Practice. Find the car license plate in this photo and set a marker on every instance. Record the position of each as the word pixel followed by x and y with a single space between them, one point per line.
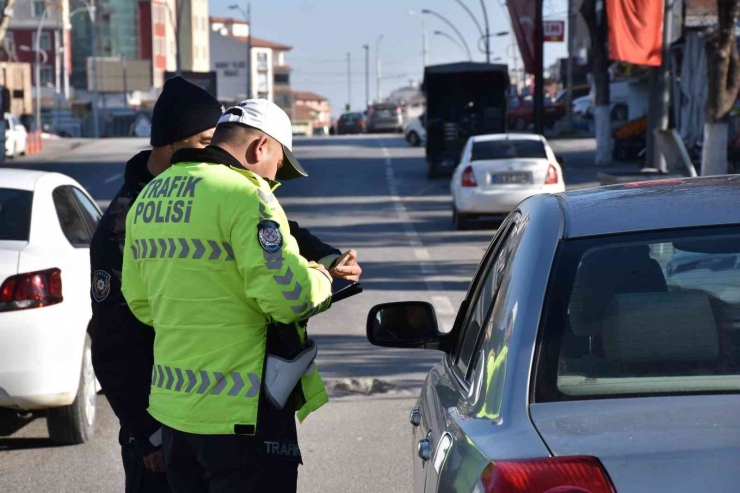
pixel 511 178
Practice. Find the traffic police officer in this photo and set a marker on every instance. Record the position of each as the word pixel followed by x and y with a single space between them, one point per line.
pixel 210 263
pixel 184 116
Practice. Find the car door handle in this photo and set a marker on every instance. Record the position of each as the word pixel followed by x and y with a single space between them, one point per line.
pixel 415 417
pixel 424 449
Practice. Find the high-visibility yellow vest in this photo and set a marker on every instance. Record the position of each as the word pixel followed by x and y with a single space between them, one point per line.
pixel 210 264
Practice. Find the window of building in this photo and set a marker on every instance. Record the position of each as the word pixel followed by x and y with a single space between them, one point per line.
pixel 282 79
pixel 46 74
pixel 45 41
pixel 262 83
pixel 37 8
pixel 262 61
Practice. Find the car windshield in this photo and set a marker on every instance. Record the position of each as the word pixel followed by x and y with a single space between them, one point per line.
pixel 508 149
pixel 643 315
pixel 15 214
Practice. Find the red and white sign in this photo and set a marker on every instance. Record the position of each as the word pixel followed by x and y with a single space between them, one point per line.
pixel 554 31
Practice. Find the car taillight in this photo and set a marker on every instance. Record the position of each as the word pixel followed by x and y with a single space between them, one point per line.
pixel 361 122
pixel 31 290
pixel 468 178
pixel 552 177
pixel 398 110
pixel 577 474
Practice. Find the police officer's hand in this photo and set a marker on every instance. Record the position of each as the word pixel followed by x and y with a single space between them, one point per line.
pixel 351 270
pixel 322 269
pixel 155 461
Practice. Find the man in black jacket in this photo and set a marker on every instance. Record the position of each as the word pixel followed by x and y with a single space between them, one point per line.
pixel 183 117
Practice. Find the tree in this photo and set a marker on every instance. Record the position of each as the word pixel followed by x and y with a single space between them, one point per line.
pixel 723 82
pixel 599 56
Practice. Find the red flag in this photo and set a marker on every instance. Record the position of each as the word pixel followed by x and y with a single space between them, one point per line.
pixel 522 20
pixel 635 31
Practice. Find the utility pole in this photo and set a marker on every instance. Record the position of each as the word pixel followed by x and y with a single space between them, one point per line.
pixel 488 33
pixel 93 46
pixel 349 81
pixel 367 74
pixel 37 71
pixel 539 93
pixel 378 68
pixel 125 82
pixel 569 70
pixel 424 42
pixel 660 93
pixel 249 50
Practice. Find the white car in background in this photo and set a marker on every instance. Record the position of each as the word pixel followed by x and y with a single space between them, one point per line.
pixel 46 224
pixel 498 171
pixel 16 137
pixel 416 133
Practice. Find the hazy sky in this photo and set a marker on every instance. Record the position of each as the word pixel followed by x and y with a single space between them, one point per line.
pixel 322 32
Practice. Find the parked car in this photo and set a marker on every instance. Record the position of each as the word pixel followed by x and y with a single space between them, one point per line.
pixel 520 114
pixel 351 123
pixel 46 224
pixel 416 132
pixel 575 363
pixel 16 137
pixel 498 171
pixel 583 106
pixel 384 117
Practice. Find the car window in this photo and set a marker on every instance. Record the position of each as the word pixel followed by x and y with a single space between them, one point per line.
pixel 15 214
pixel 514 103
pixel 484 298
pixel 70 219
pixel 508 149
pixel 487 370
pixel 89 210
pixel 644 315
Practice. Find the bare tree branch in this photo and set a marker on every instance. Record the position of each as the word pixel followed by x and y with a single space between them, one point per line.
pixel 723 70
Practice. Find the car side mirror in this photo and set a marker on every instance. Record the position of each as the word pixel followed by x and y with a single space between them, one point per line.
pixel 408 324
pixel 560 159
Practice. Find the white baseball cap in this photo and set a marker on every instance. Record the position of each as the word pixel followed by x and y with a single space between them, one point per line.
pixel 268 117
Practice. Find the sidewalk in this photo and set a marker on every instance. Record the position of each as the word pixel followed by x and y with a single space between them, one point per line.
pixel 84 150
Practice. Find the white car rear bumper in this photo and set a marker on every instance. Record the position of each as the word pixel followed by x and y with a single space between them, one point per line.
pixel 40 357
pixel 475 200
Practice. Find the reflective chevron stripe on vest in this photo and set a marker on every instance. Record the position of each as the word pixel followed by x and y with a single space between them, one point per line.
pixel 165 377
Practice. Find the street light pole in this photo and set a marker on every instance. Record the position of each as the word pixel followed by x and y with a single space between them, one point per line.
pixel 247 14
pixel 488 34
pixel 349 81
pixel 377 68
pixel 445 35
pixel 90 8
pixel 367 74
pixel 37 72
pixel 424 43
pixel 457 31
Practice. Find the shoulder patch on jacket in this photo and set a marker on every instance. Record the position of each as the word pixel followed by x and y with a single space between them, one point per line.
pixel 100 285
pixel 269 236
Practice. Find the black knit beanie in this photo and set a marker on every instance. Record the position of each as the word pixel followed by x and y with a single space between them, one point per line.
pixel 183 109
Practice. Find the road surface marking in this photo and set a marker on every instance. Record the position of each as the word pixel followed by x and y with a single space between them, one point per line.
pixel 441 301
pixel 113 178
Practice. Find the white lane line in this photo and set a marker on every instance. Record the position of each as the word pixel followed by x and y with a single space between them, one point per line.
pixel 113 178
pixel 440 300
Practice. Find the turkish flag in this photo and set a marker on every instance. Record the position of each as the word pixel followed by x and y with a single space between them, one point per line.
pixel 635 31
pixel 522 20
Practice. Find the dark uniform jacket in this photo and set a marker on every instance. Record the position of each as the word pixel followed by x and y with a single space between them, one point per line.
pixel 122 347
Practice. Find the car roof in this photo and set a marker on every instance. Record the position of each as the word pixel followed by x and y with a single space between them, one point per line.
pixel 509 136
pixel 652 205
pixel 20 179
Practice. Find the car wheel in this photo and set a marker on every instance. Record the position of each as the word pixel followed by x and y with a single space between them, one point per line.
pixel 521 124
pixel 459 220
pixel 75 424
pixel 413 139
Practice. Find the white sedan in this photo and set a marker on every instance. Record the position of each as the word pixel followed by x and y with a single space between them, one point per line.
pixel 416 133
pixel 498 171
pixel 46 224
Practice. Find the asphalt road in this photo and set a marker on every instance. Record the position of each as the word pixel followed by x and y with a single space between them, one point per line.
pixel 365 192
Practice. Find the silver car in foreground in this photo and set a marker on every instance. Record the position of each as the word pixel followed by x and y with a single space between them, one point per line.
pixel 582 358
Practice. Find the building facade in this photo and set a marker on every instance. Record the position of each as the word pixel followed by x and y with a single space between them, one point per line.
pixel 20 45
pixel 270 76
pixel 309 103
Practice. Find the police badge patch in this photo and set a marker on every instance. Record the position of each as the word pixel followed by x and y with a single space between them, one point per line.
pixel 268 234
pixel 100 285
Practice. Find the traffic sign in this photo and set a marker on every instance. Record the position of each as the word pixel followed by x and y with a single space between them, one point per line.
pixel 554 31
